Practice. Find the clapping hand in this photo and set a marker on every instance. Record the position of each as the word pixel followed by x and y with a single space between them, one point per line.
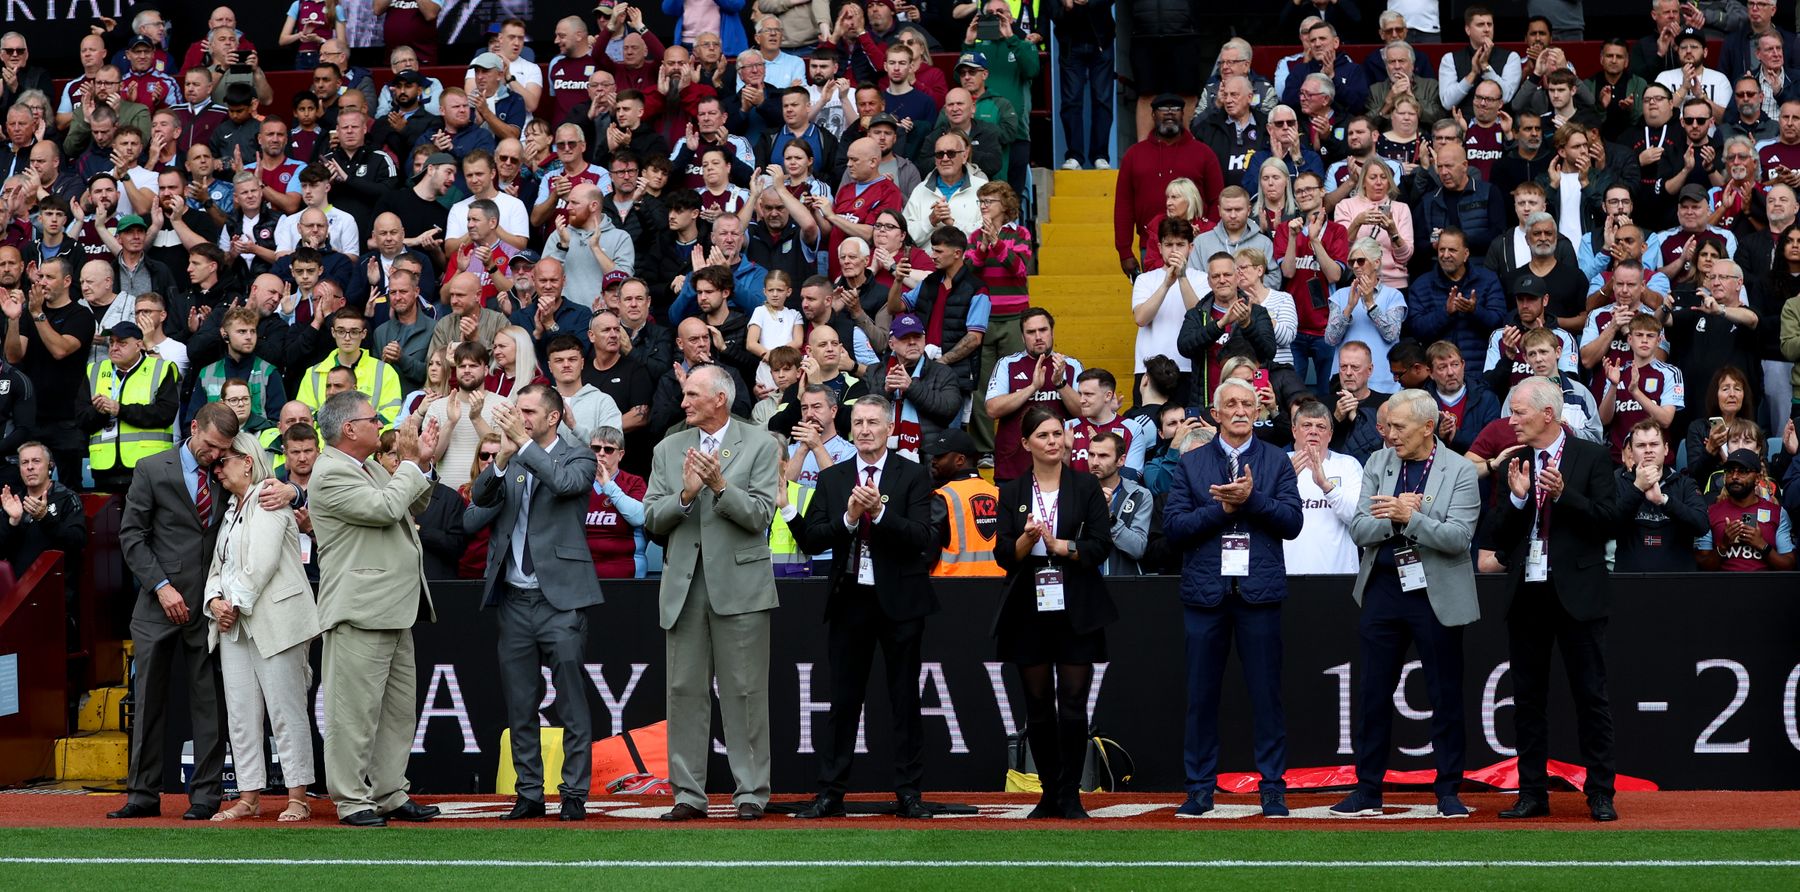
pixel 1231 496
pixel 13 506
pixel 1518 477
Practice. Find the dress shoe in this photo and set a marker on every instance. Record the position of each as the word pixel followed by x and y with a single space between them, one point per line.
pixel 419 814
pixel 136 810
pixel 825 805
pixel 1196 805
pixel 1047 808
pixel 1451 806
pixel 1070 807
pixel 1528 807
pixel 1359 804
pixel 1600 806
pixel 574 808
pixel 749 811
pixel 682 812
pixel 909 806
pixel 1274 804
pixel 524 808
pixel 364 818
pixel 198 812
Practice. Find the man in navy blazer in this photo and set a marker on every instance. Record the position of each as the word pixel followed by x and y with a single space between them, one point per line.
pixel 879 505
pixel 1231 504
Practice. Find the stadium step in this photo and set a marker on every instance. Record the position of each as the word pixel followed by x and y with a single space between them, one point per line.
pixel 1079 280
pixel 100 710
pixel 102 755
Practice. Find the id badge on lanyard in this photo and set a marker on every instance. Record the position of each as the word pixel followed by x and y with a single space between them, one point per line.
pixel 865 565
pixel 1412 570
pixel 1049 584
pixel 1537 569
pixel 1234 559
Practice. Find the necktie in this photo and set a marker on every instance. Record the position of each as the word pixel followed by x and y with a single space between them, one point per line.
pixel 862 527
pixel 525 562
pixel 709 444
pixel 202 497
pixel 1234 465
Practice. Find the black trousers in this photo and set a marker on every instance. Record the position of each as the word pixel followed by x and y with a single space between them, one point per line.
pixel 1537 623
pixel 1391 620
pixel 852 638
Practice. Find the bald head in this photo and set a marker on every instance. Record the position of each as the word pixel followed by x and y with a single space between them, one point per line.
pixel 864 160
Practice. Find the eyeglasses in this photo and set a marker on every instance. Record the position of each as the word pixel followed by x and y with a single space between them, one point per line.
pixel 12 50
pixel 947 153
pixel 1284 123
pixel 347 332
pixel 1747 94
pixel 1480 98
pixel 508 159
pixel 984 202
pixel 359 420
pixel 605 450
pixel 1696 121
pixel 567 144
pixel 885 227
pixel 236 401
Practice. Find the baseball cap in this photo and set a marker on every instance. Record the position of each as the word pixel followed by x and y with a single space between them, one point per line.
pixel 972 60
pixel 488 60
pixel 1530 286
pixel 1166 100
pixel 1693 192
pixel 948 442
pixel 412 76
pixel 1690 34
pixel 1743 458
pixel 906 324
pixel 131 220
pixel 130 330
pixel 526 256
pixel 140 40
pixel 616 277
pixel 437 158
pixel 884 118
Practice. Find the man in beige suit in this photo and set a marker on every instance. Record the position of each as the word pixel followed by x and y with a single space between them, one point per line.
pixel 712 493
pixel 371 592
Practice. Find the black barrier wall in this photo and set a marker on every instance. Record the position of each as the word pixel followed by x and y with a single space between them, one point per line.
pixel 1704 671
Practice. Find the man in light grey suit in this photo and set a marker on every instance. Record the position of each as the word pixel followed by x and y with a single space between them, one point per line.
pixel 712 493
pixel 1414 522
pixel 371 592
pixel 540 575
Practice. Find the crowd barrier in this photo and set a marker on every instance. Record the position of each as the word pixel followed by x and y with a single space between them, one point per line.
pixel 1703 676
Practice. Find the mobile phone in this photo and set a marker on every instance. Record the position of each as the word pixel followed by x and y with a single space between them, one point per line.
pixel 987 27
pixel 1261 380
pixel 1749 518
pixel 1715 421
pixel 1193 412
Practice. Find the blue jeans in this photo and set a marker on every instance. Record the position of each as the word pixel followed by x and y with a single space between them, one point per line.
pixel 1086 73
pixel 1312 350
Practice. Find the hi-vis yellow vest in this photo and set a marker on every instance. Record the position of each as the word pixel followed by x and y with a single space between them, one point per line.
pixel 784 549
pixel 376 379
pixel 131 443
pixel 974 507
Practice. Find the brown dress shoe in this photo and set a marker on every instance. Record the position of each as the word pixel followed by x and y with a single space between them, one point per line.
pixel 683 812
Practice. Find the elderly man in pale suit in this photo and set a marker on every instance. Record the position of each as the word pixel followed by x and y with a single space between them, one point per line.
pixel 712 493
pixel 1414 522
pixel 540 574
pixel 371 592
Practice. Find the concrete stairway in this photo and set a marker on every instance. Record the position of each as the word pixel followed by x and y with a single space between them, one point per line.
pixel 1078 278
pixel 98 753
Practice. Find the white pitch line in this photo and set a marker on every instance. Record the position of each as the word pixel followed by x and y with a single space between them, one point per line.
pixel 891 864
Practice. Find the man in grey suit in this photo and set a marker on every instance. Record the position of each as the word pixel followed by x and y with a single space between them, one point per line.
pixel 371 592
pixel 712 494
pixel 540 575
pixel 171 520
pixel 1414 522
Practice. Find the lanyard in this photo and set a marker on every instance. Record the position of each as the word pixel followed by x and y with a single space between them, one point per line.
pixel 1424 475
pixel 1662 136
pixel 1046 513
pixel 1542 520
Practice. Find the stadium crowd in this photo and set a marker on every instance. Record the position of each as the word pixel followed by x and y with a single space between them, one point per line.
pixel 808 210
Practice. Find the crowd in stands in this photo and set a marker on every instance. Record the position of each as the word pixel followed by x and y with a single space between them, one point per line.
pixel 805 200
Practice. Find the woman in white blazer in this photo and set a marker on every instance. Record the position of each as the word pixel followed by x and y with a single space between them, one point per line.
pixel 263 619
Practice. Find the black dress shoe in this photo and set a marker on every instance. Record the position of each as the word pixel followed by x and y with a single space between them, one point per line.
pixel 136 810
pixel 574 808
pixel 1048 807
pixel 826 805
pixel 524 808
pixel 682 812
pixel 364 818
pixel 749 811
pixel 1600 806
pixel 1528 807
pixel 419 814
pixel 910 807
pixel 198 812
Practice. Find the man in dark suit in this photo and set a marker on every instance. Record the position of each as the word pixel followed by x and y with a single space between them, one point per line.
pixel 1232 503
pixel 1550 528
pixel 540 574
pixel 171 520
pixel 874 516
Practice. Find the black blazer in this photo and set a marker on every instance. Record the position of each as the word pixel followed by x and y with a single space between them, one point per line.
pixel 1081 516
pixel 1580 524
pixel 902 543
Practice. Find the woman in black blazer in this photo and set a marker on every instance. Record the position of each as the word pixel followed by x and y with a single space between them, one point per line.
pixel 1054 521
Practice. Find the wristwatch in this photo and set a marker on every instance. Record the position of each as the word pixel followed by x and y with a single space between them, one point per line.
pixel 40 317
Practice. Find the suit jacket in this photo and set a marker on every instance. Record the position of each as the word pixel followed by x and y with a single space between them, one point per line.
pixel 1440 530
pixel 729 531
pixel 371 566
pixel 163 537
pixel 1193 522
pixel 1581 522
pixel 900 542
pixel 935 392
pixel 1082 518
pixel 282 613
pixel 563 477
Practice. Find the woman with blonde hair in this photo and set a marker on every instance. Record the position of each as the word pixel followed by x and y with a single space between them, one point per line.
pixel 262 620
pixel 514 362
pixel 1373 213
pixel 1181 201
